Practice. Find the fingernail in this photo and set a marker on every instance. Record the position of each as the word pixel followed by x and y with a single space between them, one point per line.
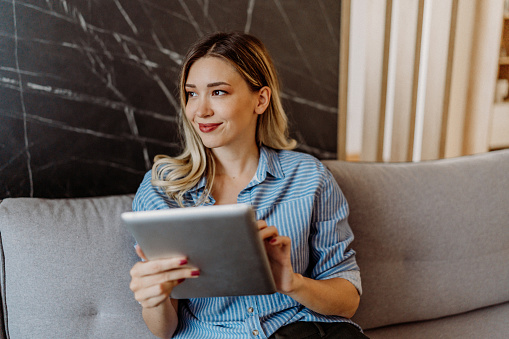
pixel 183 261
pixel 195 273
pixel 180 280
pixel 273 240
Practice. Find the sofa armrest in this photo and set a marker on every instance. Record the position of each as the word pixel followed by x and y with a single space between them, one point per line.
pixel 432 238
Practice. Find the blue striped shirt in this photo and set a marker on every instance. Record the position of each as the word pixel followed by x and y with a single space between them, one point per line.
pixel 297 194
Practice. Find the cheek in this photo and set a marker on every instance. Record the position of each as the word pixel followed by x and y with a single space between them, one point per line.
pixel 189 125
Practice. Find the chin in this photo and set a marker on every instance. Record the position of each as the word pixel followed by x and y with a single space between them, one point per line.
pixel 211 144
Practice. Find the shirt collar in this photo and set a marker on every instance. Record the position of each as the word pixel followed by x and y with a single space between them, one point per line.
pixel 201 184
pixel 268 163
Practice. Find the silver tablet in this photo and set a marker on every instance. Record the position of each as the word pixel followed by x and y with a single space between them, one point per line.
pixel 222 241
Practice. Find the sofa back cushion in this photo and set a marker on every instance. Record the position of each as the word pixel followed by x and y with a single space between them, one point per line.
pixel 432 238
pixel 65 269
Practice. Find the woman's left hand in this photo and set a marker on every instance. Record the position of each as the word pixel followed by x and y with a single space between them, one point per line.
pixel 335 296
pixel 278 250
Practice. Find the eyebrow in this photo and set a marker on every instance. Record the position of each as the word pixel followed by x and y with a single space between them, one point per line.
pixel 212 84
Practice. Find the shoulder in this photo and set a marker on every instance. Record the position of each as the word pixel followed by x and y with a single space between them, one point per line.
pixel 306 171
pixel 301 164
pixel 150 197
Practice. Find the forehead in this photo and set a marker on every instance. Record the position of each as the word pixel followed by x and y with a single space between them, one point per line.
pixel 212 69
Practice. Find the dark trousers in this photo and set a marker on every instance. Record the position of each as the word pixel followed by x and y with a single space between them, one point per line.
pixel 316 330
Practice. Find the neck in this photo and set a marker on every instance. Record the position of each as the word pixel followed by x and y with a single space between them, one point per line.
pixel 236 163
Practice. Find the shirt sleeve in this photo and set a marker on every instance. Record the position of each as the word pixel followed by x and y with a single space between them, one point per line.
pixel 331 235
pixel 139 202
pixel 149 198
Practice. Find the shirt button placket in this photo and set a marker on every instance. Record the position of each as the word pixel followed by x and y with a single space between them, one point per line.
pixel 253 321
pixel 242 197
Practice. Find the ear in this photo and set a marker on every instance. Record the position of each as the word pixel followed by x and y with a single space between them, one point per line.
pixel 263 99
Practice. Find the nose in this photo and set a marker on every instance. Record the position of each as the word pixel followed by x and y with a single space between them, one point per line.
pixel 203 108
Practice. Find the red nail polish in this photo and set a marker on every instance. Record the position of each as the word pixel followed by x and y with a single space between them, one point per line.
pixel 195 273
pixel 183 261
pixel 273 240
pixel 180 280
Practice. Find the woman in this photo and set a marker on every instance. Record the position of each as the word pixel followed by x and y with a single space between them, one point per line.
pixel 237 150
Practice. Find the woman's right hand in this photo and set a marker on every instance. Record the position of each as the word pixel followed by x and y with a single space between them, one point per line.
pixel 153 280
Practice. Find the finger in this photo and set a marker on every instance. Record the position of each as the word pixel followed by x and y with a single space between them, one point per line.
pixel 140 252
pixel 147 282
pixel 157 266
pixel 154 295
pixel 153 302
pixel 280 241
pixel 261 224
pixel 163 289
pixel 268 232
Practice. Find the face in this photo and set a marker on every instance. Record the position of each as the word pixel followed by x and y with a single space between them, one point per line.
pixel 220 105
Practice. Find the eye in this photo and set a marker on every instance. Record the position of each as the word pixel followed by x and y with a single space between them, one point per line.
pixel 190 94
pixel 218 92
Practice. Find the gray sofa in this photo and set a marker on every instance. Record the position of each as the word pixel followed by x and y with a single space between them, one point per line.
pixel 432 241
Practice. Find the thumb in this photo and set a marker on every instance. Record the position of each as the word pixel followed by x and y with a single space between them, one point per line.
pixel 140 252
pixel 261 224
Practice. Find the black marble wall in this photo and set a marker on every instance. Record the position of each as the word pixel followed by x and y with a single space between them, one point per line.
pixel 88 89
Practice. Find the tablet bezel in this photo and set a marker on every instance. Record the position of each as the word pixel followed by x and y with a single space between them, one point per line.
pixel 221 240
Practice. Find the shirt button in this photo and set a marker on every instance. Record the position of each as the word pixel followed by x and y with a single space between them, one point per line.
pixel 255 332
pixel 250 310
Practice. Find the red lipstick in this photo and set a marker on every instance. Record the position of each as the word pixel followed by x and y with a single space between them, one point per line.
pixel 207 128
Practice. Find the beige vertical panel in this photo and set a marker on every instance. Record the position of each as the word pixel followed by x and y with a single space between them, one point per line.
pixel 448 78
pixel 499 136
pixel 406 36
pixel 461 65
pixel 436 77
pixel 484 68
pixel 415 81
pixel 374 55
pixel 384 83
pixel 356 76
pixel 343 78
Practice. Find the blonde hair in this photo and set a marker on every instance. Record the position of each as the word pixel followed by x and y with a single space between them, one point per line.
pixel 177 175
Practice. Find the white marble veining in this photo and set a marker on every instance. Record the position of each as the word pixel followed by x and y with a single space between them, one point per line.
pixel 22 102
pixel 67 60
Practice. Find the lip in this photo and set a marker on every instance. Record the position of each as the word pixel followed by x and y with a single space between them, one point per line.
pixel 207 128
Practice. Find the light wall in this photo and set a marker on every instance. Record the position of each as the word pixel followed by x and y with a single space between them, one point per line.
pixel 421 78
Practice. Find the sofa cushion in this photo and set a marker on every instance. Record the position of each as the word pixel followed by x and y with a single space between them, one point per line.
pixel 490 322
pixel 432 238
pixel 66 269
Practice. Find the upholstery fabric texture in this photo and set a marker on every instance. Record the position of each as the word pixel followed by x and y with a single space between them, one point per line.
pixel 432 238
pixel 66 269
pixel 490 322
pixel 432 243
